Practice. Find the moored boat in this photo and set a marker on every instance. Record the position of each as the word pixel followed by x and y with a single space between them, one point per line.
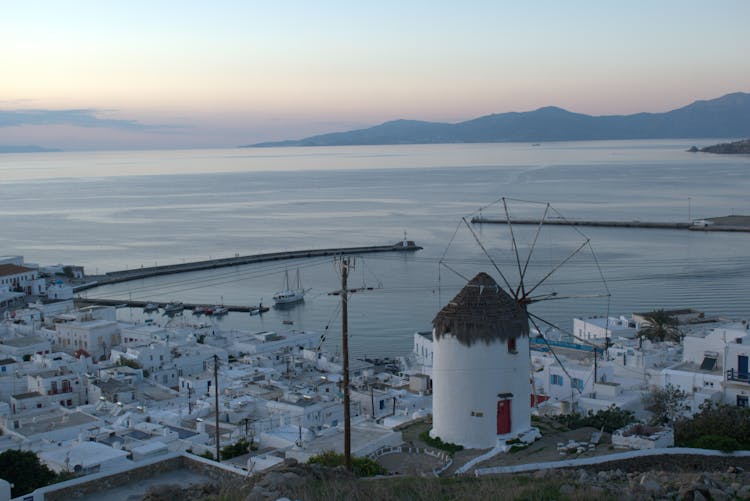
pixel 175 307
pixel 289 295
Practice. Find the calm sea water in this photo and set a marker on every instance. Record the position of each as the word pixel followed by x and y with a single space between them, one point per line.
pixel 115 210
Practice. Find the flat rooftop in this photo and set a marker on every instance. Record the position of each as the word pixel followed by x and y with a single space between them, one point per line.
pixel 20 342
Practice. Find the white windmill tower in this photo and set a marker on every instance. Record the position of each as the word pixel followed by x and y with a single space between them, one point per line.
pixel 482 389
pixel 481 385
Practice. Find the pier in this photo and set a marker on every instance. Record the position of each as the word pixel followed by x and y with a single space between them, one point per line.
pixel 702 225
pixel 79 301
pixel 113 277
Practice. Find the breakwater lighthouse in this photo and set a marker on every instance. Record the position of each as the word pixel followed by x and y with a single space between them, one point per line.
pixel 481 367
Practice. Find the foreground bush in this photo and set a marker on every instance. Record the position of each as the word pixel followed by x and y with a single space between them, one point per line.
pixel 439 444
pixel 361 467
pixel 610 419
pixel 24 470
pixel 715 426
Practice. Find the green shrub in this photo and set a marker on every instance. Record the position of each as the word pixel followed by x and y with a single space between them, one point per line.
pixel 720 420
pixel 716 442
pixel 611 419
pixel 24 470
pixel 237 449
pixel 439 444
pixel 361 467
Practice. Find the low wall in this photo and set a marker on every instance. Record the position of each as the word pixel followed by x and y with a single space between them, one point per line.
pixel 91 484
pixel 671 459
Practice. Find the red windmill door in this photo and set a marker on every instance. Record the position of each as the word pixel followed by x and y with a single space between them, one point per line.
pixel 503 417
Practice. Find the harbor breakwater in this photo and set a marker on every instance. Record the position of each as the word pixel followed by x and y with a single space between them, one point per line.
pixel 113 277
pixel 697 225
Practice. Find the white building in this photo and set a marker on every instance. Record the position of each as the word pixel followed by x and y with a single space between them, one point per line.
pixel 22 279
pixel 422 352
pixel 24 347
pixel 596 329
pixel 481 371
pixel 84 458
pixel 95 336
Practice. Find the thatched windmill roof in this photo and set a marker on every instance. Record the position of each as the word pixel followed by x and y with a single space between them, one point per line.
pixel 482 311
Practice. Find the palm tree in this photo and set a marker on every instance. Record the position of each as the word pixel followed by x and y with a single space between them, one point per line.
pixel 658 325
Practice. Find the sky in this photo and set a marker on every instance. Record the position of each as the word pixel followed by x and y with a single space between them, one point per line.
pixel 136 74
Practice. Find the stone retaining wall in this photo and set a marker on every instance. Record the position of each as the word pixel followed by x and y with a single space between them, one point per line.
pixel 104 481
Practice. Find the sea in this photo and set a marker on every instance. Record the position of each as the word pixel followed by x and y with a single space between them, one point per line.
pixel 117 210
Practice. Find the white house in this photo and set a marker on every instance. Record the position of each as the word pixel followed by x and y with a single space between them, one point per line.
pixel 96 337
pixel 423 351
pixel 22 279
pixel 737 352
pixel 596 329
pixel 24 347
pixel 84 458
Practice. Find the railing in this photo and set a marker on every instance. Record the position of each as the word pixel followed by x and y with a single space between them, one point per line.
pixel 733 375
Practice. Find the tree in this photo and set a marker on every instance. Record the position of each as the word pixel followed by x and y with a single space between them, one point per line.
pixel 665 404
pixel 714 426
pixel 658 325
pixel 24 470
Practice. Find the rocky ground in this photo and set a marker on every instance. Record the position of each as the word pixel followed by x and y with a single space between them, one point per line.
pixel 312 482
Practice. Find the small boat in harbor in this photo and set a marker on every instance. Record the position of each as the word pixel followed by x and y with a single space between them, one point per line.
pixel 199 310
pixel 259 310
pixel 220 310
pixel 289 295
pixel 287 322
pixel 150 307
pixel 174 308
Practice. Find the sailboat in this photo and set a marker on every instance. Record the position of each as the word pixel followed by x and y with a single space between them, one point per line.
pixel 289 295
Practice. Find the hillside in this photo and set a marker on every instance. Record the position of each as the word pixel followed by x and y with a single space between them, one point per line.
pixel 727 116
pixel 735 148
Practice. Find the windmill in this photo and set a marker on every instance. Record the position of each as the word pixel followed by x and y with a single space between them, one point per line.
pixel 534 281
pixel 481 365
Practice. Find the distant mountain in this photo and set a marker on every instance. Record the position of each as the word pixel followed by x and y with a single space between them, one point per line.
pixel 25 149
pixel 727 116
pixel 736 148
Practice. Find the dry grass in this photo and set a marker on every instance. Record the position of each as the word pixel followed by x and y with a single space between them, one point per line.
pixel 433 489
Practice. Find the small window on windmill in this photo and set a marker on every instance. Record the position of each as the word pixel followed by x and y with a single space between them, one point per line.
pixel 512 345
pixel 709 361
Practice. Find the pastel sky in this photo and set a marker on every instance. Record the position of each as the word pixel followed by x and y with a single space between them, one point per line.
pixel 194 73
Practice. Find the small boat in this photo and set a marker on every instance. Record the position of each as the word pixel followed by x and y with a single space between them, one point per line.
pixel 199 310
pixel 289 295
pixel 259 310
pixel 173 308
pixel 150 307
pixel 220 310
pixel 287 322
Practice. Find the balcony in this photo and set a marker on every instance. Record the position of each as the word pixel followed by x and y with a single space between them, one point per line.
pixel 742 377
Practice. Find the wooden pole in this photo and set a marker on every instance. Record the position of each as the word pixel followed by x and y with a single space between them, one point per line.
pixel 216 405
pixel 345 350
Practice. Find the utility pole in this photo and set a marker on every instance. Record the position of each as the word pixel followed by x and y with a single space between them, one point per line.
pixel 345 263
pixel 190 403
pixel 596 380
pixel 216 405
pixel 372 402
